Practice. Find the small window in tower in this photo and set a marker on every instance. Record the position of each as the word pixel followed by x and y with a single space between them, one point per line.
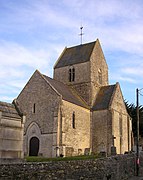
pixel 34 107
pixel 100 76
pixel 73 74
pixel 73 120
pixel 70 75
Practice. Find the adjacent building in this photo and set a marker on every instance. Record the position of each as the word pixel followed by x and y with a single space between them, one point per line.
pixel 11 132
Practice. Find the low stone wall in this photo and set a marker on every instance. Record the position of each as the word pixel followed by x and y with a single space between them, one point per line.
pixel 11 160
pixel 113 168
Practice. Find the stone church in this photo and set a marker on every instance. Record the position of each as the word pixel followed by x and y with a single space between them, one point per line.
pixel 76 112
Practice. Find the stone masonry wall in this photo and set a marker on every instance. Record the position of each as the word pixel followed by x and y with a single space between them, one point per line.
pixel 82 73
pixel 82 79
pixel 101 131
pixel 86 81
pixel 97 64
pixel 46 101
pixel 77 138
pixel 113 168
pixel 121 123
pixel 40 103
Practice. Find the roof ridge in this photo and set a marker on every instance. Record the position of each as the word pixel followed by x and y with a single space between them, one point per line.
pixel 54 79
pixel 9 110
pixel 17 107
pixel 81 45
pixel 72 91
pixel 108 85
pixel 59 57
pixel 42 75
pixel 78 96
pixel 6 103
pixel 116 86
pixel 36 71
pixel 113 94
pixel 103 98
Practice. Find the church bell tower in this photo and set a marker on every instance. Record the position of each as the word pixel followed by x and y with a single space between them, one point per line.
pixel 84 69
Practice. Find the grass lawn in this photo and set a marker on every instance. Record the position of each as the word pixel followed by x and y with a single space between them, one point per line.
pixel 43 159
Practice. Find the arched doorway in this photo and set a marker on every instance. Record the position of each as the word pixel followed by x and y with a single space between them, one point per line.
pixel 34 146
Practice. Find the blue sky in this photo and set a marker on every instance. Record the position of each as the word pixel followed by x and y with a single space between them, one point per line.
pixel 33 34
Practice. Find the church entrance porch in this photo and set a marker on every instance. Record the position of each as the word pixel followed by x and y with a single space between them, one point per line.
pixel 34 146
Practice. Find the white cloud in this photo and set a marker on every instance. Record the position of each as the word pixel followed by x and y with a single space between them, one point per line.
pixel 6 98
pixel 35 14
pixel 134 71
pixel 17 63
pixel 33 34
pixel 117 77
pixel 15 55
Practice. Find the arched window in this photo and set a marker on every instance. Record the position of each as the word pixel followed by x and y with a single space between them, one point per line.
pixel 73 120
pixel 71 74
pixel 120 123
pixel 100 76
pixel 34 108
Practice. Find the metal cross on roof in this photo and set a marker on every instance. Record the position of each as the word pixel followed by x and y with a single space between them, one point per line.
pixel 81 34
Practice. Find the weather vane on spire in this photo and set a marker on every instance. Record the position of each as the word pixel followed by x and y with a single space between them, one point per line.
pixel 81 33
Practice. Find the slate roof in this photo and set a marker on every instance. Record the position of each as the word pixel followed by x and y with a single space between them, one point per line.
pixel 75 55
pixel 104 97
pixel 8 110
pixel 67 93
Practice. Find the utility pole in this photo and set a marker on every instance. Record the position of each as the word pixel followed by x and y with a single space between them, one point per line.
pixel 137 142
